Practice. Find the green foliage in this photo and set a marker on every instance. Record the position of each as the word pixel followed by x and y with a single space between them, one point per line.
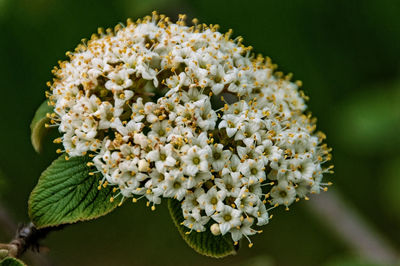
pixel 11 262
pixel 38 129
pixel 67 193
pixel 204 243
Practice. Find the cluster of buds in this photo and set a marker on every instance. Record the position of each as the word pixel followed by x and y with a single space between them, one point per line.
pixel 167 110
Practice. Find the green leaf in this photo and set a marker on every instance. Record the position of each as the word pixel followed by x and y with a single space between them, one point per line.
pixel 38 129
pixel 66 193
pixel 11 262
pixel 205 242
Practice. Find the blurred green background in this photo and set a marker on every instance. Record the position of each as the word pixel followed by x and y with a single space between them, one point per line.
pixel 347 53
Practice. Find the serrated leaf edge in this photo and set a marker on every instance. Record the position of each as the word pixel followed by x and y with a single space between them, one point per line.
pixel 34 192
pixel 184 236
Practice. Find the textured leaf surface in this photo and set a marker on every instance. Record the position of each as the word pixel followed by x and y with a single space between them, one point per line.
pixel 38 129
pixel 11 262
pixel 66 193
pixel 205 242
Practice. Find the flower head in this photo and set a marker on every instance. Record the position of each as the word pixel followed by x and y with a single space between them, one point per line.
pixel 172 111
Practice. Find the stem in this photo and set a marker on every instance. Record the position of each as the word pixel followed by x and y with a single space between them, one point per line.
pixel 353 229
pixel 27 237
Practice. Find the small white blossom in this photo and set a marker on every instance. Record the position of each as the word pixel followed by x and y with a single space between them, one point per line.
pixel 227 218
pixel 212 200
pixel 243 230
pixel 283 193
pixel 195 221
pixel 196 160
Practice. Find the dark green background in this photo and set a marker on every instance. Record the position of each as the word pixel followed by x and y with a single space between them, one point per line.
pixel 347 54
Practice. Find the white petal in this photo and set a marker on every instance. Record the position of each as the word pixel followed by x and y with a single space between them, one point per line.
pixel 230 131
pixel 236 235
pixel 191 170
pixel 225 227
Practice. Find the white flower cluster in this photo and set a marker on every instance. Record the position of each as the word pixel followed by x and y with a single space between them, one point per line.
pixel 172 111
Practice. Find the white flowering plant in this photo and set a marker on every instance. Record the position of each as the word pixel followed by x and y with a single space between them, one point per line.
pixel 156 111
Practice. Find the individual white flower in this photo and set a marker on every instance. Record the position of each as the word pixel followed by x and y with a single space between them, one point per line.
pixel 243 230
pixel 198 179
pixel 73 145
pixel 219 157
pixel 119 80
pixel 195 221
pixel 232 168
pixel 229 185
pixel 303 187
pixel 248 133
pixel 195 96
pixel 190 202
pixel 175 186
pixel 302 168
pixel 106 115
pixel 163 157
pixel 205 116
pixel 157 178
pixel 271 152
pixel 231 123
pixel 150 110
pixel 138 113
pixel 237 108
pixel 283 194
pixel 160 131
pixel 212 200
pixel 153 194
pixel 127 129
pixel 195 160
pixel 120 99
pixel 250 152
pixel 253 170
pixel 169 104
pixel 227 218
pixel 201 140
pixel 247 201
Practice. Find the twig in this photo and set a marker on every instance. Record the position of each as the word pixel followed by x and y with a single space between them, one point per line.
pixel 353 229
pixel 27 237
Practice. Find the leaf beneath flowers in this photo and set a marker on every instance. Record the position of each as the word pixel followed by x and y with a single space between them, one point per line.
pixel 38 129
pixel 205 242
pixel 66 193
pixel 11 262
